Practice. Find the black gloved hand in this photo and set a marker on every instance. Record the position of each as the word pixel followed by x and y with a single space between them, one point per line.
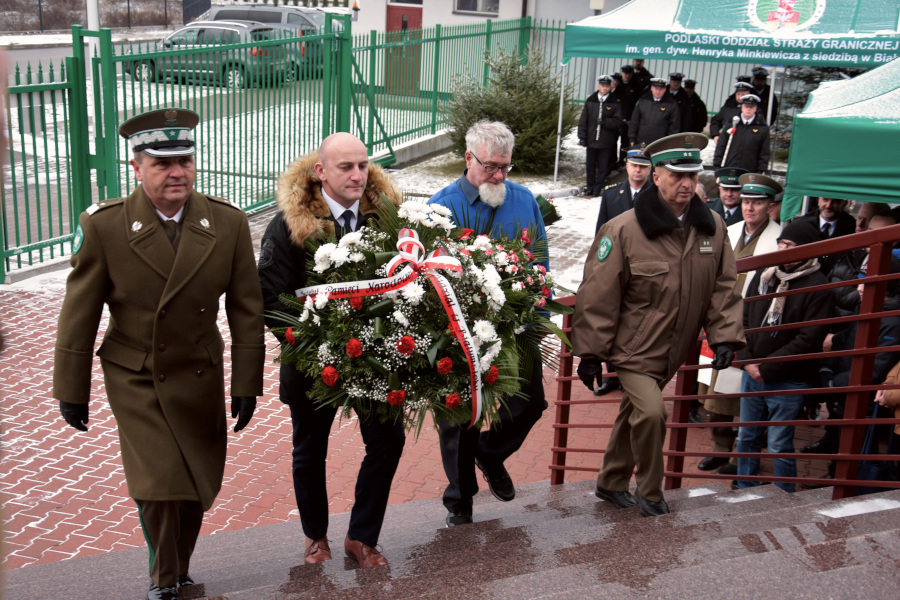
pixel 826 378
pixel 75 415
pixel 588 369
pixel 242 408
pixel 724 356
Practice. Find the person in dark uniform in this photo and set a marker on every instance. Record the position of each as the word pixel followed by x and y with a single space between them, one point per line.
pixel 160 259
pixel 484 197
pixel 655 116
pixel 681 98
pixel 330 192
pixel 641 75
pixel 699 116
pixel 598 130
pixel 616 94
pixel 730 109
pixel 745 145
pixel 763 89
pixel 654 277
pixel 728 204
pixel 630 92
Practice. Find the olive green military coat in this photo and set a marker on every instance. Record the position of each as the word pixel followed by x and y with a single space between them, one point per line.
pixel 162 354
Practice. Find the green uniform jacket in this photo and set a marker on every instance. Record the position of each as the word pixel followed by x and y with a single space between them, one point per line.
pixel 646 293
pixel 162 351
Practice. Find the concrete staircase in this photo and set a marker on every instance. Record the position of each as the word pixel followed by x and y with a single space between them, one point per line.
pixel 550 542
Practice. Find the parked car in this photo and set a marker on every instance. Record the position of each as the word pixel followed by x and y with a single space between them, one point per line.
pixel 234 68
pixel 306 57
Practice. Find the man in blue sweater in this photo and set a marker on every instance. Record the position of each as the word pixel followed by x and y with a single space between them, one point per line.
pixel 483 200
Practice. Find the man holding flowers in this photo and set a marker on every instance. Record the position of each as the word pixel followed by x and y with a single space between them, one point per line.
pixel 482 201
pixel 332 192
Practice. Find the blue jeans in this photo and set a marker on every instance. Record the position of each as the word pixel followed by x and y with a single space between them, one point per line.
pixel 778 407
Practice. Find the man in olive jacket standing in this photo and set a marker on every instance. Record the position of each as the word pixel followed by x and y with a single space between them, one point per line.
pixel 160 259
pixel 654 276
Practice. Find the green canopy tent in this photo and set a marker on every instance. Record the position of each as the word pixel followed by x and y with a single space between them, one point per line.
pixel 837 33
pixel 841 142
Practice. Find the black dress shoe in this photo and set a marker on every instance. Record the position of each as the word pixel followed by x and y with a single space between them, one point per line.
pixel 606 387
pixel 498 480
pixel 728 469
pixel 454 519
pixel 712 462
pixel 695 418
pixel 158 593
pixel 619 499
pixel 824 446
pixel 651 509
pixel 184 581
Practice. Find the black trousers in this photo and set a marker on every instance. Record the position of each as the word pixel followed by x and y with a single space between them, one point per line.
pixel 171 528
pixel 597 166
pixel 384 446
pixel 460 445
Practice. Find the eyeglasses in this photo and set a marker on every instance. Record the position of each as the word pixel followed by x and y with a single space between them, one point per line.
pixel 491 169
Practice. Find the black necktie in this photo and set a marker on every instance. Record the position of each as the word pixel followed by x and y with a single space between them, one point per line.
pixel 826 229
pixel 347 218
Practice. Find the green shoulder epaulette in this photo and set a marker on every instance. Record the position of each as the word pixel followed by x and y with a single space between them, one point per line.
pixel 94 208
pixel 224 201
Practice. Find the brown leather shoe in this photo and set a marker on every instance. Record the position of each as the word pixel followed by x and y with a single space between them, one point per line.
pixel 317 551
pixel 366 556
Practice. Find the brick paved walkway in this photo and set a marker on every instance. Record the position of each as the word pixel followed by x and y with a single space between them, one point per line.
pixel 64 493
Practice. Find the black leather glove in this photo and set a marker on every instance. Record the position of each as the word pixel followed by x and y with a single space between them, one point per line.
pixel 588 369
pixel 724 356
pixel 75 415
pixel 242 408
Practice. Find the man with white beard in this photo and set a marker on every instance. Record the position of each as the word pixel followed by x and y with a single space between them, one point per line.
pixel 485 202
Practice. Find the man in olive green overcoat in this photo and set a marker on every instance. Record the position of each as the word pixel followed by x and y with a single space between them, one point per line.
pixel 160 259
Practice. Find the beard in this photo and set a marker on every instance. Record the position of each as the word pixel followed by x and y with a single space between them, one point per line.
pixel 492 194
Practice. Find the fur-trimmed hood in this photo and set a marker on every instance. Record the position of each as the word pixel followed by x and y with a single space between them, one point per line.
pixel 306 214
pixel 655 219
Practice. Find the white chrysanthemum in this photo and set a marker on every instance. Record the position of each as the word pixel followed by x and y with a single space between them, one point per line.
pixel 440 209
pixel 481 243
pixel 491 275
pixel 351 239
pixel 490 355
pixel 476 298
pixel 401 318
pixel 317 320
pixel 305 316
pixel 519 330
pixel 441 222
pixel 310 303
pixel 391 295
pixel 501 258
pixel 357 257
pixel 340 255
pixel 413 293
pixel 484 330
pixel 413 210
pixel 321 300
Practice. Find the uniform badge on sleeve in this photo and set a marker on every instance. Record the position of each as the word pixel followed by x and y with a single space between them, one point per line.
pixel 78 239
pixel 603 249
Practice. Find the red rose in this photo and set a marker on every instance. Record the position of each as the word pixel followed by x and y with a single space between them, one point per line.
pixel 406 345
pixel 329 375
pixel 396 398
pixel 354 348
pixel 445 365
pixel 525 237
pixel 356 302
pixel 466 233
pixel 545 291
pixel 289 336
pixel 452 400
pixel 491 377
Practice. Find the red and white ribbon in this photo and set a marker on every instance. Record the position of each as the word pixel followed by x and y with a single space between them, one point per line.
pixel 412 257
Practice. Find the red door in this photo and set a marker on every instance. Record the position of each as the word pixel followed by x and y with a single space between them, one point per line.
pixel 404 23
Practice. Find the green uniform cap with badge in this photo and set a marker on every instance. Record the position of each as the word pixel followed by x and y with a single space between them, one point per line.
pixel 759 187
pixel 730 177
pixel 679 153
pixel 162 133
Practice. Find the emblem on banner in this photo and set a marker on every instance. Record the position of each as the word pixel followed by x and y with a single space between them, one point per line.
pixel 785 15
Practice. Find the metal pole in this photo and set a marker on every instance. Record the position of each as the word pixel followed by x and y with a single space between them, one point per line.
pixel 562 86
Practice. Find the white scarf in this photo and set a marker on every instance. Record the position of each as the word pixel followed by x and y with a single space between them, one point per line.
pixel 774 277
